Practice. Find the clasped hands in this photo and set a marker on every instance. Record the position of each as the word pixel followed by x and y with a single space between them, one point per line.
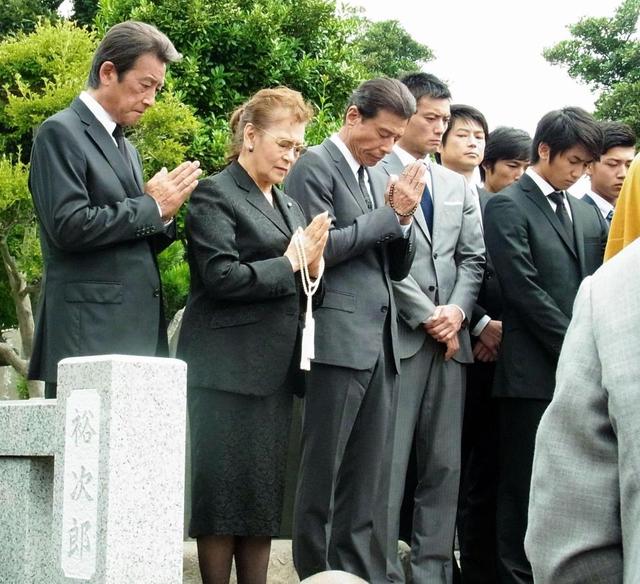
pixel 443 325
pixel 407 191
pixel 314 238
pixel 171 189
pixel 486 348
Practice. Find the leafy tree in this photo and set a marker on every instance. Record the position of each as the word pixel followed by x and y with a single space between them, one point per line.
pixel 604 53
pixel 84 11
pixel 389 50
pixel 23 15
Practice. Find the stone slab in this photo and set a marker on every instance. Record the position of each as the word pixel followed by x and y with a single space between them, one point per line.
pixel 138 427
pixel 29 428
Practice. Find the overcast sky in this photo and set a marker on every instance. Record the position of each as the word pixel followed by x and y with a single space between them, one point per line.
pixel 490 51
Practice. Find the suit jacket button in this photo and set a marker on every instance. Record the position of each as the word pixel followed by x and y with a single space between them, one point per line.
pixel 156 293
pixel 431 288
pixel 384 309
pixel 435 256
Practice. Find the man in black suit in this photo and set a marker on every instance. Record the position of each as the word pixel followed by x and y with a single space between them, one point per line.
pixel 100 225
pixel 542 243
pixel 340 514
pixel 608 173
pixel 506 157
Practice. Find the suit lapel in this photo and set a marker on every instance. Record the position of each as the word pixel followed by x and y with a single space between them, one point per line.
pixel 286 208
pixel 137 168
pixel 346 172
pixel 535 195
pixel 378 184
pixel 578 232
pixel 256 198
pixel 99 135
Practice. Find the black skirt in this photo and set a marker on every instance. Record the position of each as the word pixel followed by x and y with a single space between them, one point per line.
pixel 238 460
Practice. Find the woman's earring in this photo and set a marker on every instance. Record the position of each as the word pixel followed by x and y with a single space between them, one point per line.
pixel 250 148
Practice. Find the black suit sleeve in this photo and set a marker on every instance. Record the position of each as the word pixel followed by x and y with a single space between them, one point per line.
pixel 311 183
pixel 506 233
pixel 401 254
pixel 211 232
pixel 477 314
pixel 73 220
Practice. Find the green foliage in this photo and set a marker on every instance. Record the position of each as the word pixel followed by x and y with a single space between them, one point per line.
pixel 389 50
pixel 7 312
pixel 40 73
pixel 22 388
pixel 232 48
pixel 175 278
pixel 84 11
pixel 604 53
pixel 166 134
pixel 17 219
pixel 23 15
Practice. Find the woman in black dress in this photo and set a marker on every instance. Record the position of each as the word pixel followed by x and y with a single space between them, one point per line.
pixel 240 335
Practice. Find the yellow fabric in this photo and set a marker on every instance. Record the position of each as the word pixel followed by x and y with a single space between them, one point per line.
pixel 625 226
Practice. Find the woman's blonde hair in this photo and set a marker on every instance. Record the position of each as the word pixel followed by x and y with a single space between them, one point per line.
pixel 263 109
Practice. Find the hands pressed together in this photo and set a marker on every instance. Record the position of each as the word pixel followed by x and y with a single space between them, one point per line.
pixel 443 325
pixel 314 238
pixel 403 193
pixel 171 189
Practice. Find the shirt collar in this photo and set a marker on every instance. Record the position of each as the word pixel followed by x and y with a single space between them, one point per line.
pixel 542 184
pixel 407 158
pixel 602 203
pixel 98 111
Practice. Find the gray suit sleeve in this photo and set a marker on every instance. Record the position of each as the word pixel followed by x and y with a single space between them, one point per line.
pixel 574 508
pixel 72 220
pixel 311 183
pixel 469 257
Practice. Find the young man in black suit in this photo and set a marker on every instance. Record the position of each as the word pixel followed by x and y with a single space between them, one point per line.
pixel 542 243
pixel 608 173
pixel 506 156
pixel 100 225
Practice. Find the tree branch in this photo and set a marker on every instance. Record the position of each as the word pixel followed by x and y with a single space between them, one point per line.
pixel 9 355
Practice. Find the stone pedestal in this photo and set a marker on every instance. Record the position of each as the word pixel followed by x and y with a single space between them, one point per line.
pixel 27 445
pixel 118 493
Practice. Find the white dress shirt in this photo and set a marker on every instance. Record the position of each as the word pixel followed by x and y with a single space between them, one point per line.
pixel 547 189
pixel 605 206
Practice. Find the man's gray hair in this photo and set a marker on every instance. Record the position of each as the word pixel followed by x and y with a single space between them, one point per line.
pixel 124 43
pixel 383 94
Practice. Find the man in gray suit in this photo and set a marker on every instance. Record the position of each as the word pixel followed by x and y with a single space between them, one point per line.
pixel 434 302
pixel 585 488
pixel 351 390
pixel 100 226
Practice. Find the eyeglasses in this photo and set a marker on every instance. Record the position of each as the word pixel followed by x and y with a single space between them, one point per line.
pixel 286 144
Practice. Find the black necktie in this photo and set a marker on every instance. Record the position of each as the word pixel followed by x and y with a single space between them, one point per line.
pixel 363 188
pixel 609 216
pixel 561 212
pixel 118 134
pixel 427 207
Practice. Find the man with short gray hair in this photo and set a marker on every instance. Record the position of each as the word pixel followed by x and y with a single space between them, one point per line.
pixel 351 391
pixel 100 224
